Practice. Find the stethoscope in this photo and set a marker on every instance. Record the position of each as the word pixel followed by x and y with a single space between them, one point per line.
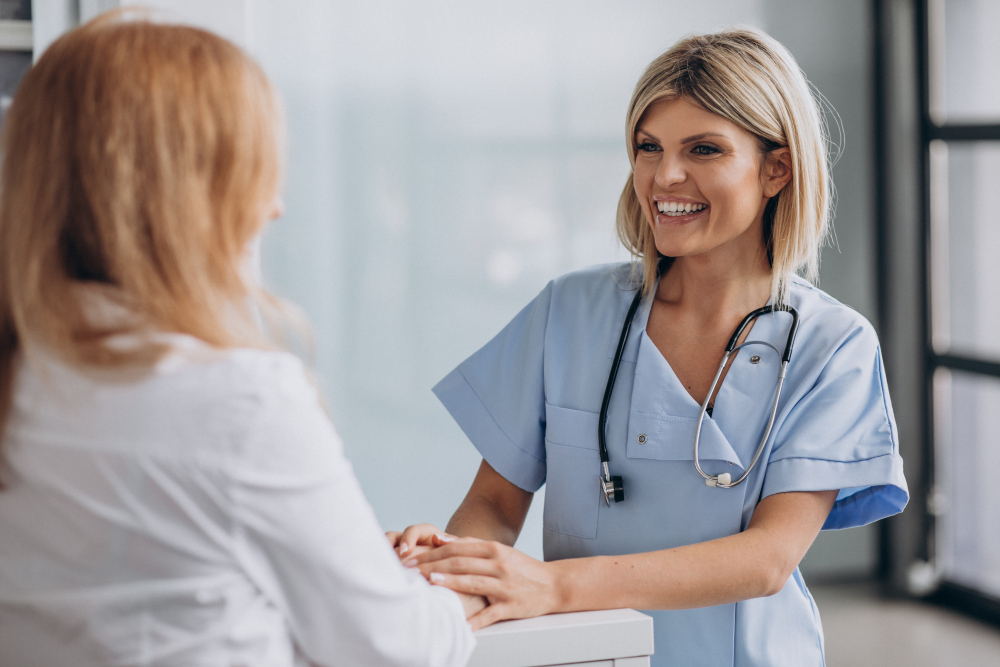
pixel 611 485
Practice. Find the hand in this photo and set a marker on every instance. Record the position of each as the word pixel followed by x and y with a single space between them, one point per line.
pixel 421 534
pixel 473 604
pixel 514 584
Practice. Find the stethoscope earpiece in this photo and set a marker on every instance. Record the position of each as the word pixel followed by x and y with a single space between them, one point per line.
pixel 724 480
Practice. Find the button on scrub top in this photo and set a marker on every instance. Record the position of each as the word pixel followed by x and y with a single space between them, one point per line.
pixel 529 402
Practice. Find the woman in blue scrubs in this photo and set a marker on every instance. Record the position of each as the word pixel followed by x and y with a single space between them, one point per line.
pixel 726 207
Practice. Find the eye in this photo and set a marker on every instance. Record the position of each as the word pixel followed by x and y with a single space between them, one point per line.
pixel 646 147
pixel 704 149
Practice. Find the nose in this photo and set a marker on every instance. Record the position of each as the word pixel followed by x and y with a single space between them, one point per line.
pixel 670 171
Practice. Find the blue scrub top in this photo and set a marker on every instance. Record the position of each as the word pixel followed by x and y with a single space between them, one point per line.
pixel 529 402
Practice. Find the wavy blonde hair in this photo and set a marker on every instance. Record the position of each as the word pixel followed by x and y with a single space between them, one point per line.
pixel 748 78
pixel 143 158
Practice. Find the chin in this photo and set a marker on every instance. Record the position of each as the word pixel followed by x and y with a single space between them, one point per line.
pixel 674 249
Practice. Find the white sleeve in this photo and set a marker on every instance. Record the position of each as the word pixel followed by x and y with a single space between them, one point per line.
pixel 311 541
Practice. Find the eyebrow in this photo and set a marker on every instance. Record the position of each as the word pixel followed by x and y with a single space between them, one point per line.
pixel 686 140
pixel 696 137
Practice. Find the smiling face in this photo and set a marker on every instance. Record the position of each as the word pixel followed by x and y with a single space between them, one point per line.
pixel 699 180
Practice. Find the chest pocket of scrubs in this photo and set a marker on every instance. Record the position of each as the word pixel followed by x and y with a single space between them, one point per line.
pixel 689 510
pixel 572 471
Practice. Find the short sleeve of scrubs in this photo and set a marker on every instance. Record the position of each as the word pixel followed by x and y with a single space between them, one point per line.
pixel 497 396
pixel 841 434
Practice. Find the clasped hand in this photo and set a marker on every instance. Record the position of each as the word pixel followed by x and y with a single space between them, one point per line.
pixel 514 584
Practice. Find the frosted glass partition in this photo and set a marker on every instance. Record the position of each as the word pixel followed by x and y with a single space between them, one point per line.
pixel 964 53
pixel 966 241
pixel 967 429
pixel 445 161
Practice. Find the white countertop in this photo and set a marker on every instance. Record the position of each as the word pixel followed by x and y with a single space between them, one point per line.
pixel 584 636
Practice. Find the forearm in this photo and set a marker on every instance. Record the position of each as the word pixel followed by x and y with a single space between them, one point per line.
pixel 478 517
pixel 750 564
pixel 494 509
pixel 754 563
pixel 721 571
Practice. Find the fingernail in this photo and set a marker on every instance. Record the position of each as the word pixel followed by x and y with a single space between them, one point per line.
pixel 445 538
pixel 436 577
pixel 410 563
pixel 403 548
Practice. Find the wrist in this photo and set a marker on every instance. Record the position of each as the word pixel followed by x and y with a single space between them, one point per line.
pixel 473 604
pixel 562 586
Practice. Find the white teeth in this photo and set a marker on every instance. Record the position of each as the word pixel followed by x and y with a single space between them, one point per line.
pixel 676 208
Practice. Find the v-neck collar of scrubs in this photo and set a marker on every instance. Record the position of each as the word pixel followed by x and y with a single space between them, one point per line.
pixel 742 403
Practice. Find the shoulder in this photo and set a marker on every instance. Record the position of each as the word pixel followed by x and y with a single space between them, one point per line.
pixel 822 309
pixel 260 404
pixel 273 410
pixel 827 326
pixel 215 394
pixel 196 403
pixel 600 278
pixel 235 376
pixel 595 287
pixel 254 415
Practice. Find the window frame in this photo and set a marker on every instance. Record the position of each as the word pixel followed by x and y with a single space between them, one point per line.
pixel 969 600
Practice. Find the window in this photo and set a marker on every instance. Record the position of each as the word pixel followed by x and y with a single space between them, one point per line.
pixel 961 142
pixel 15 48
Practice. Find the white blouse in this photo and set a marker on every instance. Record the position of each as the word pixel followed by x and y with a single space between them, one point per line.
pixel 203 514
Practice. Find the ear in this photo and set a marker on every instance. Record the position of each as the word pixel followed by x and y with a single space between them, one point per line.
pixel 777 171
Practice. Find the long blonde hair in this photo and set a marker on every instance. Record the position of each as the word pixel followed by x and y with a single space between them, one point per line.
pixel 142 157
pixel 748 78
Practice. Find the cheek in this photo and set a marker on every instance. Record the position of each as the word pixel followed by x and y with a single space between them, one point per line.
pixel 642 176
pixel 642 183
pixel 736 194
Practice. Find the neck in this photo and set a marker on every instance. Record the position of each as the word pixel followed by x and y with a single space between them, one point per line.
pixel 729 280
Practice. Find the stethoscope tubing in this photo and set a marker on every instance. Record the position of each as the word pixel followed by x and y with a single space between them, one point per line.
pixel 713 480
pixel 612 376
pixel 721 481
pixel 731 347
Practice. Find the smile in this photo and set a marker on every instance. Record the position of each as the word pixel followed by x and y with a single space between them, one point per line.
pixel 675 209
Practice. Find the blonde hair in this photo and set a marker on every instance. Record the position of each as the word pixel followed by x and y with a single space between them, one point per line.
pixel 144 158
pixel 748 78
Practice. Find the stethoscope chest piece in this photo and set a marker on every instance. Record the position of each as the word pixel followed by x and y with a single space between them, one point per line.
pixel 613 489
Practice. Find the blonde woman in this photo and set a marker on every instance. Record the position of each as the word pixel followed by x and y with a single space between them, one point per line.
pixel 173 492
pixel 687 467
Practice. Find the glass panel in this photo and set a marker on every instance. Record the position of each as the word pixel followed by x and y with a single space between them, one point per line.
pixel 965 206
pixel 505 218
pixel 13 65
pixel 15 10
pixel 965 85
pixel 967 456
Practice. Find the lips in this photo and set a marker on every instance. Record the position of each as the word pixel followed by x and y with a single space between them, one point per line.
pixel 677 211
pixel 678 208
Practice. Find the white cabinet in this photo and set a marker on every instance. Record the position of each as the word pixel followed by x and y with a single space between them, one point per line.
pixel 611 638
